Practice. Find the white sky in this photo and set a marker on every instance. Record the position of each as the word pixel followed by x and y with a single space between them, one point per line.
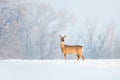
pixel 107 10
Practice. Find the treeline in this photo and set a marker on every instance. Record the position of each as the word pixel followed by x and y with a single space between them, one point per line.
pixel 30 30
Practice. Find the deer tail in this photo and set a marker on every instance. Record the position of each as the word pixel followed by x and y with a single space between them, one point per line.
pixel 82 48
pixel 82 54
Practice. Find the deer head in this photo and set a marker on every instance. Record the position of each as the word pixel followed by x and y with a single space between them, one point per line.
pixel 62 38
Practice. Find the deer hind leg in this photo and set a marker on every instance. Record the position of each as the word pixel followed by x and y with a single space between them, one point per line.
pixel 83 57
pixel 65 56
pixel 78 57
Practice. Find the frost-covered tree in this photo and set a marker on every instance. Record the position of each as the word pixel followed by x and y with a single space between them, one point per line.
pixel 99 43
pixel 10 42
pixel 40 27
pixel 30 31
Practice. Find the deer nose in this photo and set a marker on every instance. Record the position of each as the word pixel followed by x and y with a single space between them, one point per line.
pixel 62 40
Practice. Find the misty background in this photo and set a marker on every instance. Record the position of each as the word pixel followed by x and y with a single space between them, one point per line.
pixel 30 29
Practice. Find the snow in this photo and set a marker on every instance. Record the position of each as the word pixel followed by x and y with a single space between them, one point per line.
pixel 101 69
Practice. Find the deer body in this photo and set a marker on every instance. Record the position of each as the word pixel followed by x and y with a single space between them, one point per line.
pixel 71 49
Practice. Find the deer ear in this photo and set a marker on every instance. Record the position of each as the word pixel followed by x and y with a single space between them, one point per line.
pixel 60 36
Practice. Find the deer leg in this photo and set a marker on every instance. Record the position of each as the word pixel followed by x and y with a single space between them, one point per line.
pixel 78 57
pixel 65 56
pixel 83 57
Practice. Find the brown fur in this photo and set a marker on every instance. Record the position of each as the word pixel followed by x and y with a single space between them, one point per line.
pixel 71 49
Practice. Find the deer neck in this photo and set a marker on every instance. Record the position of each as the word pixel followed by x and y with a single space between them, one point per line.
pixel 62 44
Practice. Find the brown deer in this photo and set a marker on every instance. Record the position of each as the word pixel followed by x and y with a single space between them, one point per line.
pixel 71 49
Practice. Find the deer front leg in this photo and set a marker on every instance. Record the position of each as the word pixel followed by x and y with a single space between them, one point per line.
pixel 78 57
pixel 65 56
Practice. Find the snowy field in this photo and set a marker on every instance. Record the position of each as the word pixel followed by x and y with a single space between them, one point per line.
pixel 106 69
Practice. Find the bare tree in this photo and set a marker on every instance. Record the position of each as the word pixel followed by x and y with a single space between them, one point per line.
pixel 99 43
pixel 110 41
pixel 41 25
pixel 89 40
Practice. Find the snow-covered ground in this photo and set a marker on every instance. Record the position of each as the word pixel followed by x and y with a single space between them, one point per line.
pixel 103 69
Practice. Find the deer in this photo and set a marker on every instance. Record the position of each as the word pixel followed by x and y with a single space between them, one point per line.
pixel 71 49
